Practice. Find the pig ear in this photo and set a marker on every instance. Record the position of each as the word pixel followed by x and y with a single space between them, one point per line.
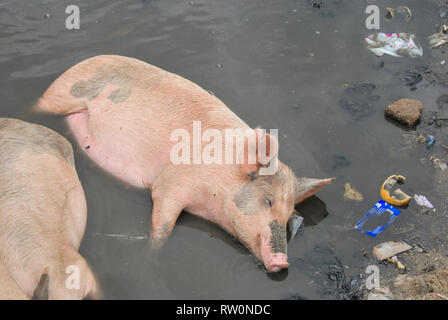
pixel 306 187
pixel 265 147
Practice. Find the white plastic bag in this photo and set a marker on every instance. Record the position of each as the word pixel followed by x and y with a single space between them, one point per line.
pixel 394 44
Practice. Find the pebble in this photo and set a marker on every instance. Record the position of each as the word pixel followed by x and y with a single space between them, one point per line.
pixel 406 111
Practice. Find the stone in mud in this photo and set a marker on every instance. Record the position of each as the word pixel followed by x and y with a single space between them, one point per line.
pixel 406 111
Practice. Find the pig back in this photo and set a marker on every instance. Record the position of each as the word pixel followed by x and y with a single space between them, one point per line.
pixel 42 203
pixel 17 136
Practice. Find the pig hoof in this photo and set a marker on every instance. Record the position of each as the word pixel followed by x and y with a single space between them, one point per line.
pixel 156 243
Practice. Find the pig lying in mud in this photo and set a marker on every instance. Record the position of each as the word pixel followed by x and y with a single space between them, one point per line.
pixel 123 112
pixel 42 213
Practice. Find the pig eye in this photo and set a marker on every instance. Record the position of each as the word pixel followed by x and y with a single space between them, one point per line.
pixel 268 202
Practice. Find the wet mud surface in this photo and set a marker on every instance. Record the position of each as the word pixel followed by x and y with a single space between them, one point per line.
pixel 283 64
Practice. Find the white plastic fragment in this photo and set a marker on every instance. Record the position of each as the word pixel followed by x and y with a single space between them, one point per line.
pixel 394 44
pixel 422 201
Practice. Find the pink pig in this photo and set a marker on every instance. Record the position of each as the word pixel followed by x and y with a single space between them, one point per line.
pixel 42 215
pixel 123 112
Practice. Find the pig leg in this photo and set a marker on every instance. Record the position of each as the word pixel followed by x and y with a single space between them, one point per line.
pixel 165 212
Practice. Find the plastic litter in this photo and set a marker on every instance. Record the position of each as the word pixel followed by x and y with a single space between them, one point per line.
pixel 400 266
pixel 389 249
pixel 438 39
pixel 430 141
pixel 394 44
pixel 352 194
pixel 294 224
pixel 390 13
pixel 377 219
pixel 405 11
pixel 422 201
pixel 438 163
pixel 398 197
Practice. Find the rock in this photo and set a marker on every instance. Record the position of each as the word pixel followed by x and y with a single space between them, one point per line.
pixel 406 111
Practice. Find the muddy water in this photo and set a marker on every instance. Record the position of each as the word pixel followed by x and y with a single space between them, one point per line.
pixel 277 64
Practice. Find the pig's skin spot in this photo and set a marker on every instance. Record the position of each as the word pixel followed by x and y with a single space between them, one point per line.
pixel 244 199
pixel 125 75
pixel 119 95
pixel 86 89
pixel 278 237
pixel 16 129
pixel 249 199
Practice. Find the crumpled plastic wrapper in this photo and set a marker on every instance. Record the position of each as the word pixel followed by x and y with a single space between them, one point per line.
pixel 394 44
pixel 438 39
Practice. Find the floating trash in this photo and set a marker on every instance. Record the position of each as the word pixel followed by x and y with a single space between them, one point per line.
pixel 394 44
pixel 431 140
pixel 351 193
pixel 405 11
pixel 397 197
pixel 389 249
pixel 377 219
pixel 438 163
pixel 422 201
pixel 400 266
pixel 438 39
pixel 294 224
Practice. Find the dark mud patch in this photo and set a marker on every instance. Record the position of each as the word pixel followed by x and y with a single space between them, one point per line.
pixel 359 100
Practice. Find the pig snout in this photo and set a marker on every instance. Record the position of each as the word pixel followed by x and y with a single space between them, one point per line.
pixel 273 248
